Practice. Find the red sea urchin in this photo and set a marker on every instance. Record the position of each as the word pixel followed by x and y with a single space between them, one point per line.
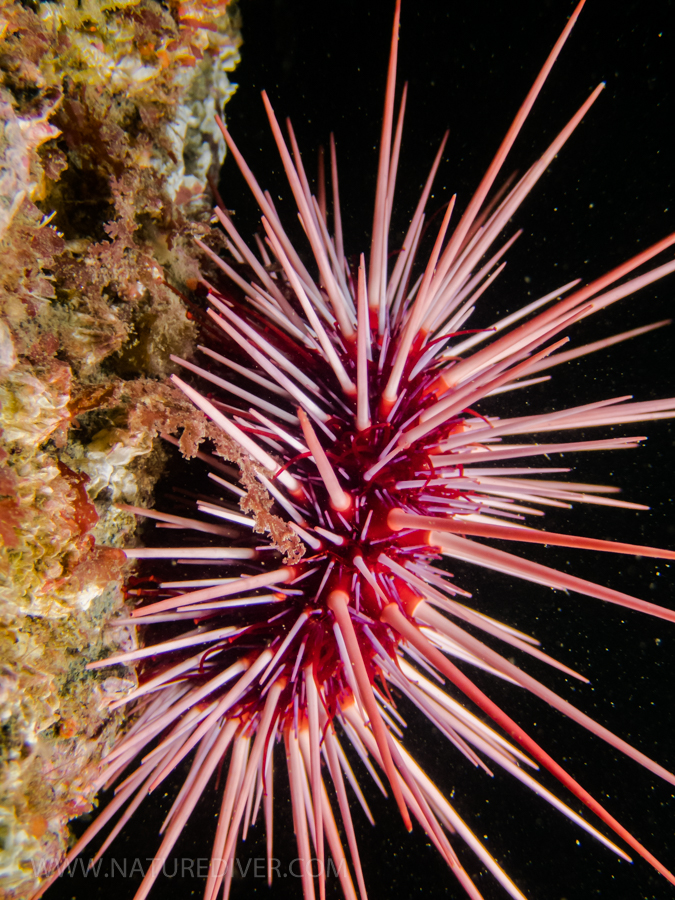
pixel 370 580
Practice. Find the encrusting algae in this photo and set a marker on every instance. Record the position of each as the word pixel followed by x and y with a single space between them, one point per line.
pixel 107 146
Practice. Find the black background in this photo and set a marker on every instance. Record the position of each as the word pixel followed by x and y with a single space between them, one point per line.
pixel 609 194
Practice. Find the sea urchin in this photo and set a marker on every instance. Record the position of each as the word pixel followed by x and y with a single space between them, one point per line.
pixel 367 432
